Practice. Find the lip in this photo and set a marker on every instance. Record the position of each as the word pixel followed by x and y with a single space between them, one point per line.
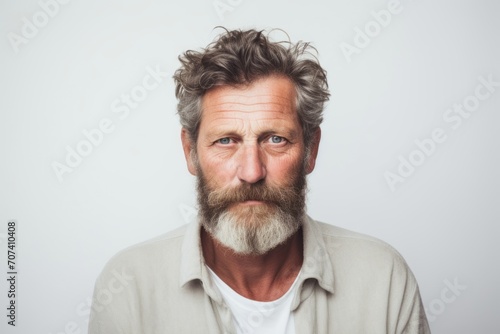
pixel 252 202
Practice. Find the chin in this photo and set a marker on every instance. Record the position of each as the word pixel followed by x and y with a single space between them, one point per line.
pixel 254 229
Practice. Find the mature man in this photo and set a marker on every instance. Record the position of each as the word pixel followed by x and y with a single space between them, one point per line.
pixel 254 262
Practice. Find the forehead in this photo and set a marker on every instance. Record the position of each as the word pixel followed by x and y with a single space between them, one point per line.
pixel 266 99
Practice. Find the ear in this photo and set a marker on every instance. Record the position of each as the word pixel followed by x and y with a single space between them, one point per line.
pixel 311 161
pixel 187 147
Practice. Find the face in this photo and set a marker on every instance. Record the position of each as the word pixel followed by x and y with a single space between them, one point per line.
pixel 250 163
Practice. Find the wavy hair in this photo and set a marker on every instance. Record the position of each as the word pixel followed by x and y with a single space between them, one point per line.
pixel 239 57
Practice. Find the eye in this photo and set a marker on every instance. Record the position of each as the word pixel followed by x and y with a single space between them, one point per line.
pixel 277 139
pixel 224 141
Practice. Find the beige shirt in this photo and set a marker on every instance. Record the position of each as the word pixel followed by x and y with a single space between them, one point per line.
pixel 349 283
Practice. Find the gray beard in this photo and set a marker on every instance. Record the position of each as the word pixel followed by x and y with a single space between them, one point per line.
pixel 254 229
pixel 259 234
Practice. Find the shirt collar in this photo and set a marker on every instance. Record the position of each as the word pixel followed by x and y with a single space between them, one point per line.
pixel 193 264
pixel 317 265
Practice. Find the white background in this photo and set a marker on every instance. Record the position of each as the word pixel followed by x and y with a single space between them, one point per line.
pixel 63 79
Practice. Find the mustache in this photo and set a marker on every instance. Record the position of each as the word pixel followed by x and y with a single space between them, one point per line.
pixel 251 192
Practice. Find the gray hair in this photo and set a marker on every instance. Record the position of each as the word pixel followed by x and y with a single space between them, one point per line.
pixel 240 57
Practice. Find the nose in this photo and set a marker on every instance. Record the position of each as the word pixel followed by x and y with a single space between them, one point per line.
pixel 251 168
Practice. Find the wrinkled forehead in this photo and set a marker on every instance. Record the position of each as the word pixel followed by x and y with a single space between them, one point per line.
pixel 274 95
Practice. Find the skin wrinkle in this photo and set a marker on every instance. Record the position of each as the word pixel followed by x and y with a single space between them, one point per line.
pixel 238 59
pixel 250 162
pixel 242 124
pixel 289 136
pixel 236 113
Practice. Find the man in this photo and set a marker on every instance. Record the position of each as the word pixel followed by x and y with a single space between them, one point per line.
pixel 254 262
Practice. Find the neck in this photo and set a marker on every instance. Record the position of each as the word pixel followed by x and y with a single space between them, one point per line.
pixel 263 277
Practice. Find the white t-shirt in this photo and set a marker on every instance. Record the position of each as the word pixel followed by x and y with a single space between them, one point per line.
pixel 254 317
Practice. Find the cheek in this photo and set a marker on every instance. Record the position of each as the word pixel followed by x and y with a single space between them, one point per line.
pixel 217 170
pixel 284 169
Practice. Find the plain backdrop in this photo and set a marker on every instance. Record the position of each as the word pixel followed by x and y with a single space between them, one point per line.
pixel 67 68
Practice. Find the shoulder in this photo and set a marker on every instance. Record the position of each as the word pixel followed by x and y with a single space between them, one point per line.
pixel 135 281
pixel 347 237
pixel 362 263
pixel 368 271
pixel 159 251
pixel 356 249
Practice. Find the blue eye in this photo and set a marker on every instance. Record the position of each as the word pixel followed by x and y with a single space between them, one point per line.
pixel 224 141
pixel 277 139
